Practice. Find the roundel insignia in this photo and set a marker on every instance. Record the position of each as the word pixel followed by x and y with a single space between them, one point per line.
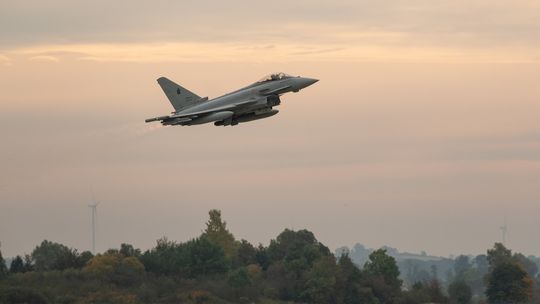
pixel 178 91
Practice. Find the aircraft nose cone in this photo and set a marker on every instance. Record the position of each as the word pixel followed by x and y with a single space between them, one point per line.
pixel 306 82
pixel 310 81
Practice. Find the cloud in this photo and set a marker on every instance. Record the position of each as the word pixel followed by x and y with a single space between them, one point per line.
pixel 199 31
pixel 4 60
pixel 477 23
pixel 285 52
pixel 44 58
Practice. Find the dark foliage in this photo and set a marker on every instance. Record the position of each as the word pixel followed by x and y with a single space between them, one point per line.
pixel 216 268
pixel 53 256
pixel 3 267
pixel 193 258
pixel 507 279
pixel 509 283
pixel 17 265
pixel 22 295
pixel 459 292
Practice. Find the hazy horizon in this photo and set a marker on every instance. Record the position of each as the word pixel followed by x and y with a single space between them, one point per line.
pixel 422 133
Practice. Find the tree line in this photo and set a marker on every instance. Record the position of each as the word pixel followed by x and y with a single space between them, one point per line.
pixel 215 267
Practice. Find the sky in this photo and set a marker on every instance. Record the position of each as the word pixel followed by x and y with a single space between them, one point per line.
pixel 422 133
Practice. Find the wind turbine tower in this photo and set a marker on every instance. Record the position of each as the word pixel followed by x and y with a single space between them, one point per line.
pixel 94 219
pixel 504 229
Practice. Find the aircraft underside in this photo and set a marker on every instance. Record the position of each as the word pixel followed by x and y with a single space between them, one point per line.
pixel 223 118
pixel 227 118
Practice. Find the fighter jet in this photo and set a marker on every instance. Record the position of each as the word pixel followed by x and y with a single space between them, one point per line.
pixel 255 101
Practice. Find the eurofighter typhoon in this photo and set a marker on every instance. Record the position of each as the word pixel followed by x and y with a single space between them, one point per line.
pixel 256 101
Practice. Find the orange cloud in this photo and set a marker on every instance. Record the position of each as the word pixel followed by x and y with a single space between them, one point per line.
pixel 44 58
pixel 284 52
pixel 4 60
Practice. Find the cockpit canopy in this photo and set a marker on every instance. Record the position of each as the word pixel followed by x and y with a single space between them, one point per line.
pixel 277 76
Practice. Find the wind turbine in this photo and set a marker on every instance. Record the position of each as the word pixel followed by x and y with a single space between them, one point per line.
pixel 93 206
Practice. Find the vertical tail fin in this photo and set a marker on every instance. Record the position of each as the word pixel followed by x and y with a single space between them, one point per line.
pixel 179 96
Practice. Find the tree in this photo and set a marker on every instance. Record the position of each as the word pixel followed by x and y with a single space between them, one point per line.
pixel 54 256
pixel 204 258
pixel 498 255
pixel 289 257
pixel 481 264
pixel 217 233
pixel 191 259
pixel 459 292
pixel 28 263
pixel 17 265
pixel 509 283
pixel 528 265
pixel 129 251
pixel 165 258
pixel 348 270
pixel 435 292
pixel 423 292
pixel 320 281
pixel 246 254
pixel 3 267
pixel 417 294
pixel 103 264
pixel 300 246
pixel 415 273
pixel 349 283
pixel 383 276
pixel 130 266
pixel 476 276
pixel 261 256
pixel 507 280
pixel 84 258
pixel 115 267
pixel 461 265
pixel 381 264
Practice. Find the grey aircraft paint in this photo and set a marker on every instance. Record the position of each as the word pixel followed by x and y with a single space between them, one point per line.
pixel 253 102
